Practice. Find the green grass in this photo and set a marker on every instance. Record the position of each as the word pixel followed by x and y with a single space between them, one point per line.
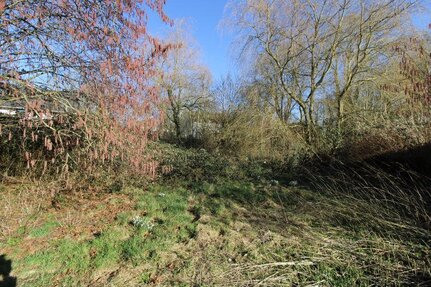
pixel 231 233
pixel 45 229
pixel 165 208
pixel 17 238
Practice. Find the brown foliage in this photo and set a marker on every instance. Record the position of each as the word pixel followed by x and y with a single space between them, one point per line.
pixel 80 73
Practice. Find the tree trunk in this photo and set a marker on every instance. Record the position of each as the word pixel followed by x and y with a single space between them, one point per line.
pixel 340 120
pixel 309 126
pixel 340 114
pixel 175 115
pixel 176 120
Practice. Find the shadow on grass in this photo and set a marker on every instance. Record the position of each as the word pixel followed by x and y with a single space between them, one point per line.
pixel 420 279
pixel 5 270
pixel 370 233
pixel 358 201
pixel 264 205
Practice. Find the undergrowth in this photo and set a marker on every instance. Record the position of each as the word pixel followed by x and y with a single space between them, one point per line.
pixel 214 222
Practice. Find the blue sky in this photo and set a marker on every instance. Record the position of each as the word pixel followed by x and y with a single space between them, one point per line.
pixel 204 17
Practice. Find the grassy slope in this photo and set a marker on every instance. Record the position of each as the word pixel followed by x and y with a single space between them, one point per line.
pixel 231 233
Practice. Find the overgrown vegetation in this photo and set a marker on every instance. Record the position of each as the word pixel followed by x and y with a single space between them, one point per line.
pixel 123 164
pixel 221 231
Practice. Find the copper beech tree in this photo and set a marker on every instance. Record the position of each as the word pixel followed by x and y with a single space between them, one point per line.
pixel 76 81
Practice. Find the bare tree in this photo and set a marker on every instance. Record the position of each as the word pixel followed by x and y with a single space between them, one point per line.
pixel 185 81
pixel 312 50
pixel 227 96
